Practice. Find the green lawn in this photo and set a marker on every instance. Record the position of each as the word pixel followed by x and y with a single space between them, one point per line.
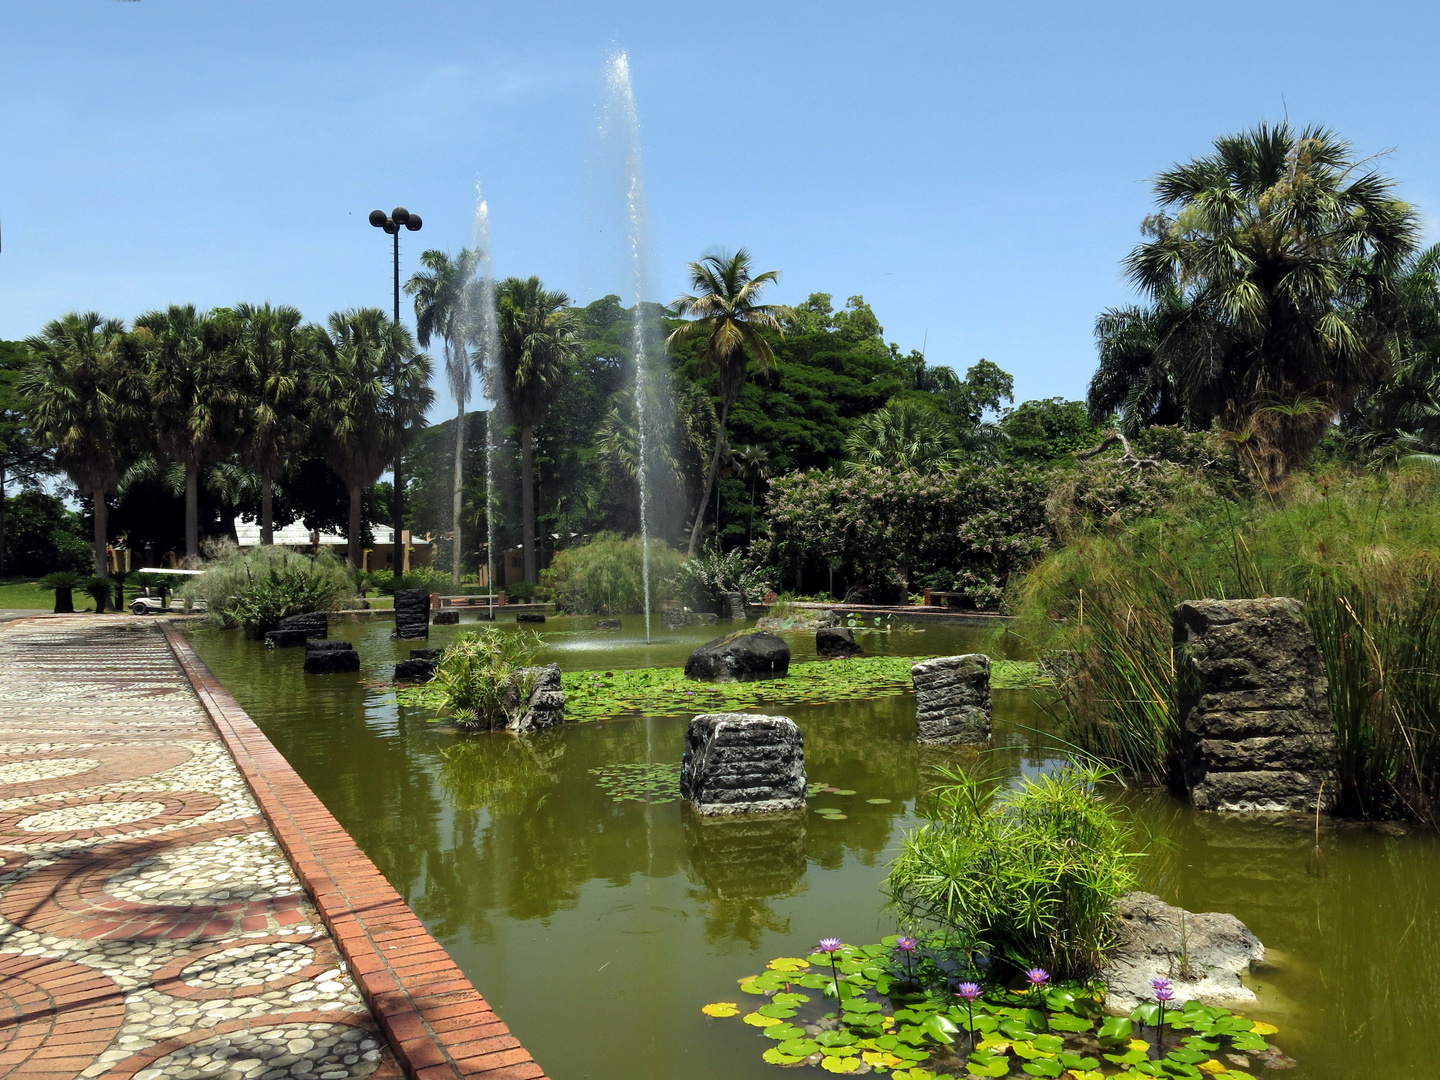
pixel 19 592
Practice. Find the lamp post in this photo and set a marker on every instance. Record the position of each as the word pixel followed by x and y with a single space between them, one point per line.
pixel 392 224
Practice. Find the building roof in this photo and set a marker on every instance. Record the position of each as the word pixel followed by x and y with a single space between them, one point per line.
pixel 297 535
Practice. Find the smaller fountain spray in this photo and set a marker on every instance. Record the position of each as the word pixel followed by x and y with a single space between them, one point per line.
pixel 486 341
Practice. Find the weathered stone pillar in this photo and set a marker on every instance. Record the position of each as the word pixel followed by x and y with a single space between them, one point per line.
pixel 741 763
pixel 952 699
pixel 294 630
pixel 412 613
pixel 1256 730
pixel 537 699
pixel 420 667
pixel 324 657
pixel 837 641
pixel 732 605
pixel 447 617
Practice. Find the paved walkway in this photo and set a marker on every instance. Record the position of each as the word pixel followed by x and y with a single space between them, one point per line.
pixel 150 925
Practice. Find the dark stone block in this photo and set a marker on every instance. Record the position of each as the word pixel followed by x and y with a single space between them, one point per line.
pixel 740 657
pixel 732 605
pixel 1256 729
pixel 412 613
pixel 326 645
pixel 330 660
pixel 672 617
pixel 701 618
pixel 529 616
pixel 952 699
pixel 837 641
pixel 446 617
pixel 426 654
pixel 534 700
pixel 415 670
pixel 740 763
pixel 314 623
pixel 286 639
pixel 607 624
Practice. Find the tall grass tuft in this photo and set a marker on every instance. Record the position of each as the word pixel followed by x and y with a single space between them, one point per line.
pixel 604 577
pixel 254 588
pixel 478 677
pixel 1362 552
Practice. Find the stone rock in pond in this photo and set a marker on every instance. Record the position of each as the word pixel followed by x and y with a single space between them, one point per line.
pixel 740 763
pixel 535 699
pixel 420 667
pixel 1202 955
pixel 285 639
pixel 672 617
pixel 313 623
pixel 952 699
pixel 446 617
pixel 732 605
pixel 412 613
pixel 701 618
pixel 740 657
pixel 607 624
pixel 330 657
pixel 529 616
pixel 837 641
pixel 1256 731
pixel 799 619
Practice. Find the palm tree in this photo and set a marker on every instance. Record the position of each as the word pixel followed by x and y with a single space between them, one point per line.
pixel 192 395
pixel 275 354
pixel 355 409
pixel 731 323
pixel 902 435
pixel 442 298
pixel 1137 378
pixel 85 402
pixel 539 342
pixel 1287 249
pixel 753 464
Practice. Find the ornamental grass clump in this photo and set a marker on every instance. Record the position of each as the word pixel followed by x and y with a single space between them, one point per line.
pixel 254 589
pixel 478 680
pixel 606 576
pixel 1020 877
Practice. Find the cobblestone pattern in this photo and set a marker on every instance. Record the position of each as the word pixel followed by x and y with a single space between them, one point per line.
pixel 150 925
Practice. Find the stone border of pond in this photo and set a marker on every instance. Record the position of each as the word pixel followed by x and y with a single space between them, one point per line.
pixel 437 1023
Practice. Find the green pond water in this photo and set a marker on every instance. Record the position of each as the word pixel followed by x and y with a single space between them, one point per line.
pixel 598 928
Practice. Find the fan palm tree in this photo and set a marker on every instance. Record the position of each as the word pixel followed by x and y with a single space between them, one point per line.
pixel 275 355
pixel 1287 248
pixel 902 435
pixel 726 315
pixel 539 343
pixel 442 294
pixel 192 395
pixel 355 409
pixel 753 464
pixel 85 402
pixel 1137 376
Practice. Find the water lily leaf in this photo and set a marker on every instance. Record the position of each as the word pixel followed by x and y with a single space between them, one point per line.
pixel 754 1019
pixel 788 963
pixel 914 1074
pixel 1087 1074
pixel 882 1058
pixel 813 980
pixel 1025 1050
pixel 1057 1000
pixel 1258 1028
pixel 940 1028
pixel 799 1047
pixel 784 1032
pixel 775 1057
pixel 721 1008
pixel 1211 1066
pixel 1078 1062
pixel 1043 1067
pixel 1195 1042
pixel 878 802
pixel 1237 1074
pixel 1247 1042
pixel 842 791
pixel 836 1038
pixel 999 1067
pixel 827 810
pixel 840 1064
pixel 1187 1057
pixel 1050 1044
pixel 1130 1057
pixel 1138 1044
pixel 1146 1013
pixel 836 817
pixel 1116 1027
pixel 1015 1029
pixel 1069 1022
pixel 839 1051
pixel 911 1053
pixel 779 1012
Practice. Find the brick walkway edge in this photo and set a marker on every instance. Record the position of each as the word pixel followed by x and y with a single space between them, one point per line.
pixel 437 1023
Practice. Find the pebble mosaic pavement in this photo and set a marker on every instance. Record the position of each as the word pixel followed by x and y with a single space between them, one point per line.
pixel 150 925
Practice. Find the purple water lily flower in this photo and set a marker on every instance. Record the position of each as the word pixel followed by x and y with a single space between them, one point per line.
pixel 967 990
pixel 1038 978
pixel 1163 990
pixel 829 945
pixel 907 945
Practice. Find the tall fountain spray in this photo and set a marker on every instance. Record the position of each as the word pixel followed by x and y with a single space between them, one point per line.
pixel 480 314
pixel 622 122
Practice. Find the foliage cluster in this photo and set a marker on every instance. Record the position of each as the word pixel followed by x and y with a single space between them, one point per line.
pixel 478 681
pixel 1357 549
pixel 893 1007
pixel 605 576
pixel 702 579
pixel 254 589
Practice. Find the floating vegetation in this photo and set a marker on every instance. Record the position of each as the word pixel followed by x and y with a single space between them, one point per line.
pixel 894 1008
pixel 878 802
pixel 653 783
pixel 599 695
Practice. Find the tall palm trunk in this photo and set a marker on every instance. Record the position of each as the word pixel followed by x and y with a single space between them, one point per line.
pixel 709 481
pixel 455 502
pixel 527 499
pixel 353 545
pixel 102 560
pixel 267 510
pixel 2 519
pixel 192 513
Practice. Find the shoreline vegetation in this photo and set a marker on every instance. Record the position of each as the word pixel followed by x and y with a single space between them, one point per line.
pixel 604 695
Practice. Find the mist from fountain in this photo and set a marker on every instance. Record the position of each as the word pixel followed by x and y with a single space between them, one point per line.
pixel 484 338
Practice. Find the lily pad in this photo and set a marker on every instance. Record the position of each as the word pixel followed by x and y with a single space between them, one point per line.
pixel 878 802
pixel 775 1057
pixel 754 1019
pixel 840 1064
pixel 721 1008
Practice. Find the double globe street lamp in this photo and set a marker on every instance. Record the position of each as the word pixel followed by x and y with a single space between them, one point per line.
pixel 392 223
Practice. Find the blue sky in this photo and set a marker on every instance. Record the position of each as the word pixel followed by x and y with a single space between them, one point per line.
pixel 976 171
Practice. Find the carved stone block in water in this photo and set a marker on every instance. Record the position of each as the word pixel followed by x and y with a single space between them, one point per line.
pixel 412 613
pixel 294 630
pixel 732 605
pixel 330 657
pixel 1256 730
pixel 529 616
pixel 420 667
pixel 952 699
pixel 837 641
pixel 536 699
pixel 741 763
pixel 446 617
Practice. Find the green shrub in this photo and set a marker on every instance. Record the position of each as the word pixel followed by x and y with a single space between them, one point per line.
pixel 63 583
pixel 703 579
pixel 603 577
pixel 1021 877
pixel 475 679
pixel 255 588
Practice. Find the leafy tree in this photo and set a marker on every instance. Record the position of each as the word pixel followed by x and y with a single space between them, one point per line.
pixel 84 403
pixel 443 294
pixel 275 356
pixel 356 410
pixel 731 323
pixel 539 344
pixel 1285 248
pixel 22 460
pixel 1041 431
pixel 43 536
pixel 189 384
